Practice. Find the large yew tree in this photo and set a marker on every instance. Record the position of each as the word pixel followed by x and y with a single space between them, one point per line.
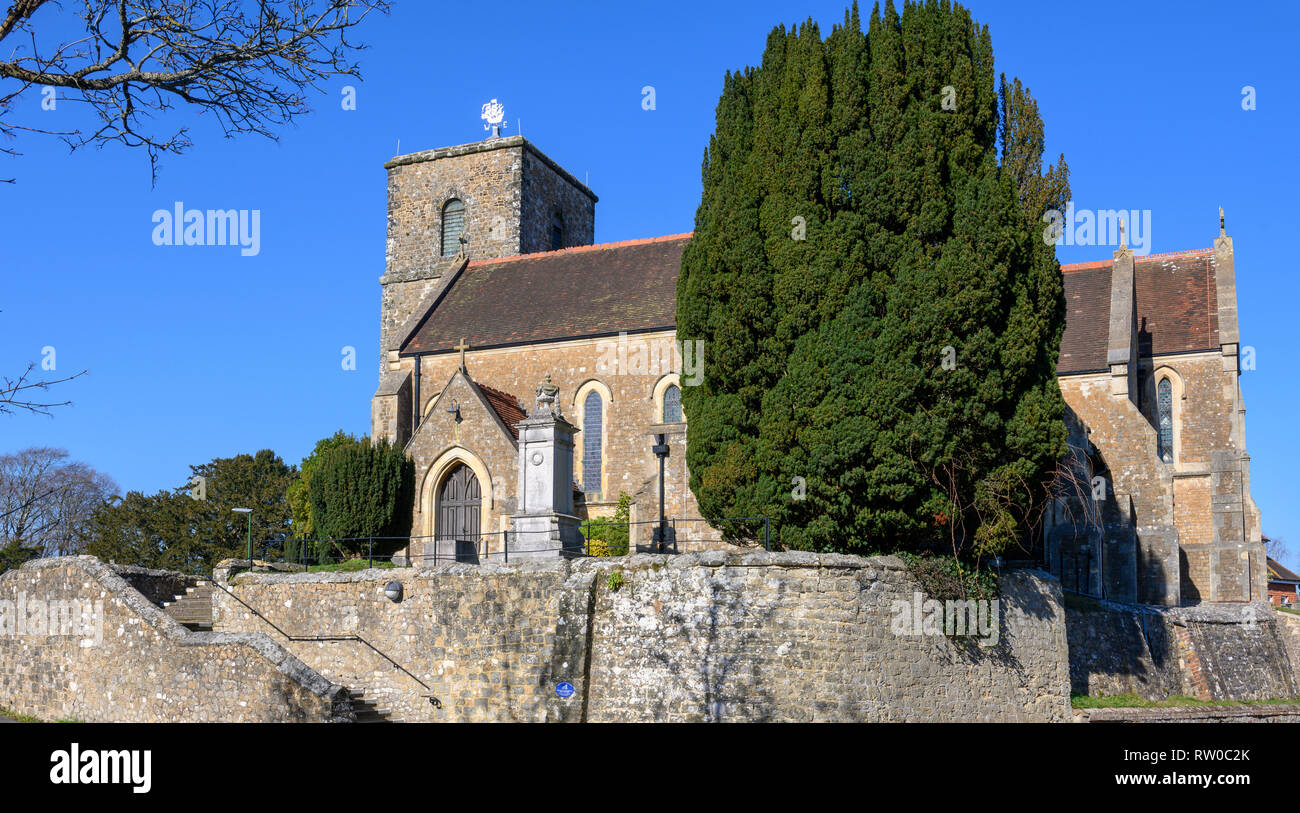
pixel 879 311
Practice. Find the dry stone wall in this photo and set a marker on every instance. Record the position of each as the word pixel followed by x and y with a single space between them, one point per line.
pixel 77 641
pixel 1210 651
pixel 717 635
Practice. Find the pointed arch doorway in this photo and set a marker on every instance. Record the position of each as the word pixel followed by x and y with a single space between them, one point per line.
pixel 460 503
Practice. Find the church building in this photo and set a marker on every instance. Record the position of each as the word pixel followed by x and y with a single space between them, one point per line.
pixel 530 374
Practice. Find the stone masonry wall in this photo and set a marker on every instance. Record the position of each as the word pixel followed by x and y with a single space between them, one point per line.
pixel 1127 443
pixel 486 176
pixel 1211 652
pixel 546 192
pixel 1204 494
pixel 115 656
pixel 1288 629
pixel 714 635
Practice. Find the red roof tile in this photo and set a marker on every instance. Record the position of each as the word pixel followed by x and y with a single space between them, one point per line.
pixel 506 406
pixel 1278 572
pixel 1177 308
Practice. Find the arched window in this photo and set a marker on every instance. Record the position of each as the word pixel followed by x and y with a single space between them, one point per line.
pixel 453 225
pixel 1165 409
pixel 557 232
pixel 672 404
pixel 591 438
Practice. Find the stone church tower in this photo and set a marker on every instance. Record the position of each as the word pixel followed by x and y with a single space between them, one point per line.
pixel 502 195
pixel 493 286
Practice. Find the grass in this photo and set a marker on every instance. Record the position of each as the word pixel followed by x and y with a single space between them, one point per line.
pixel 1123 701
pixel 22 718
pixel 1287 610
pixel 350 566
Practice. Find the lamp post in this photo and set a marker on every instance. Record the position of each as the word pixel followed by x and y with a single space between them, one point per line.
pixel 661 451
pixel 249 512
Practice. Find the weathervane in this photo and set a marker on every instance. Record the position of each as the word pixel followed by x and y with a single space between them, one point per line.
pixel 494 114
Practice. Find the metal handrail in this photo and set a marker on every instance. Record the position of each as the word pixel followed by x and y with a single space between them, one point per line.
pixel 358 638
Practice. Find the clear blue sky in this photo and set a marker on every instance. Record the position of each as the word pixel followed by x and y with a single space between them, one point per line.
pixel 198 352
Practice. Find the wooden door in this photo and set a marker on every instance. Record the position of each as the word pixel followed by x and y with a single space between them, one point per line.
pixel 459 504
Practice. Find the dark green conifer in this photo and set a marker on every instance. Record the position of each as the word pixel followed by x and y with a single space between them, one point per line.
pixel 888 381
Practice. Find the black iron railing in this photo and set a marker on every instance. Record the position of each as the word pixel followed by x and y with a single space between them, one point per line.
pixel 598 537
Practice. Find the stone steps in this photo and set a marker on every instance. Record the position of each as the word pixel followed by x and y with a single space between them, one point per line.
pixel 194 609
pixel 368 712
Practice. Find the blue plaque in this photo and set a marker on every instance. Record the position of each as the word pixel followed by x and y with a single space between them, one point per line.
pixel 564 689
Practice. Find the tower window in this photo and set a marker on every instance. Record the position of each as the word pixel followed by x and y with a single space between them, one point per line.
pixel 1165 409
pixel 557 232
pixel 592 408
pixel 453 225
pixel 673 404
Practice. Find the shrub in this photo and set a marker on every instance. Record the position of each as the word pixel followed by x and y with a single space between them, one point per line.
pixel 608 536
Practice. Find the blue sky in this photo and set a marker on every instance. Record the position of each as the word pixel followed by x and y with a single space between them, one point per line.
pixel 199 352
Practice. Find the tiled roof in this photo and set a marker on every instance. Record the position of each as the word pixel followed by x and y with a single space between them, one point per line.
pixel 576 292
pixel 1177 308
pixel 1276 572
pixel 506 406
pixel 631 286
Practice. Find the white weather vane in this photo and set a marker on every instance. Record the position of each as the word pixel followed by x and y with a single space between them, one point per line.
pixel 494 114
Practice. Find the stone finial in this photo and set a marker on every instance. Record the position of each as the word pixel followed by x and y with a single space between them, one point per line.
pixel 547 403
pixel 1222 232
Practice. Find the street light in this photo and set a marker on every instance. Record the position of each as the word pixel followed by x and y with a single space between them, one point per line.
pixel 660 448
pixel 248 511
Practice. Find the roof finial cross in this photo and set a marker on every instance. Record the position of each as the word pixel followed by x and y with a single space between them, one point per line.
pixel 1122 244
pixel 462 347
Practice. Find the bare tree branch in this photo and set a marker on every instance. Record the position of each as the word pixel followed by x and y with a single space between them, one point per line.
pixel 15 392
pixel 247 63
pixel 47 502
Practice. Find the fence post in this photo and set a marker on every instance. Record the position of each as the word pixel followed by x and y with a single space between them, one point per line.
pixel 767 534
pixel 370 552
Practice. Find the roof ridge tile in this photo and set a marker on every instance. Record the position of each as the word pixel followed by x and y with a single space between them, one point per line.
pixel 537 255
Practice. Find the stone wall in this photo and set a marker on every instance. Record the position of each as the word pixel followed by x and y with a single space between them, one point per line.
pixel 1288 629
pixel 112 655
pixel 1281 713
pixel 1210 652
pixel 486 176
pixel 710 636
pixel 547 191
pixel 1194 519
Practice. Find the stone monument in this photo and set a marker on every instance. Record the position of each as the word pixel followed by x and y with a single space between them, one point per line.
pixel 544 525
